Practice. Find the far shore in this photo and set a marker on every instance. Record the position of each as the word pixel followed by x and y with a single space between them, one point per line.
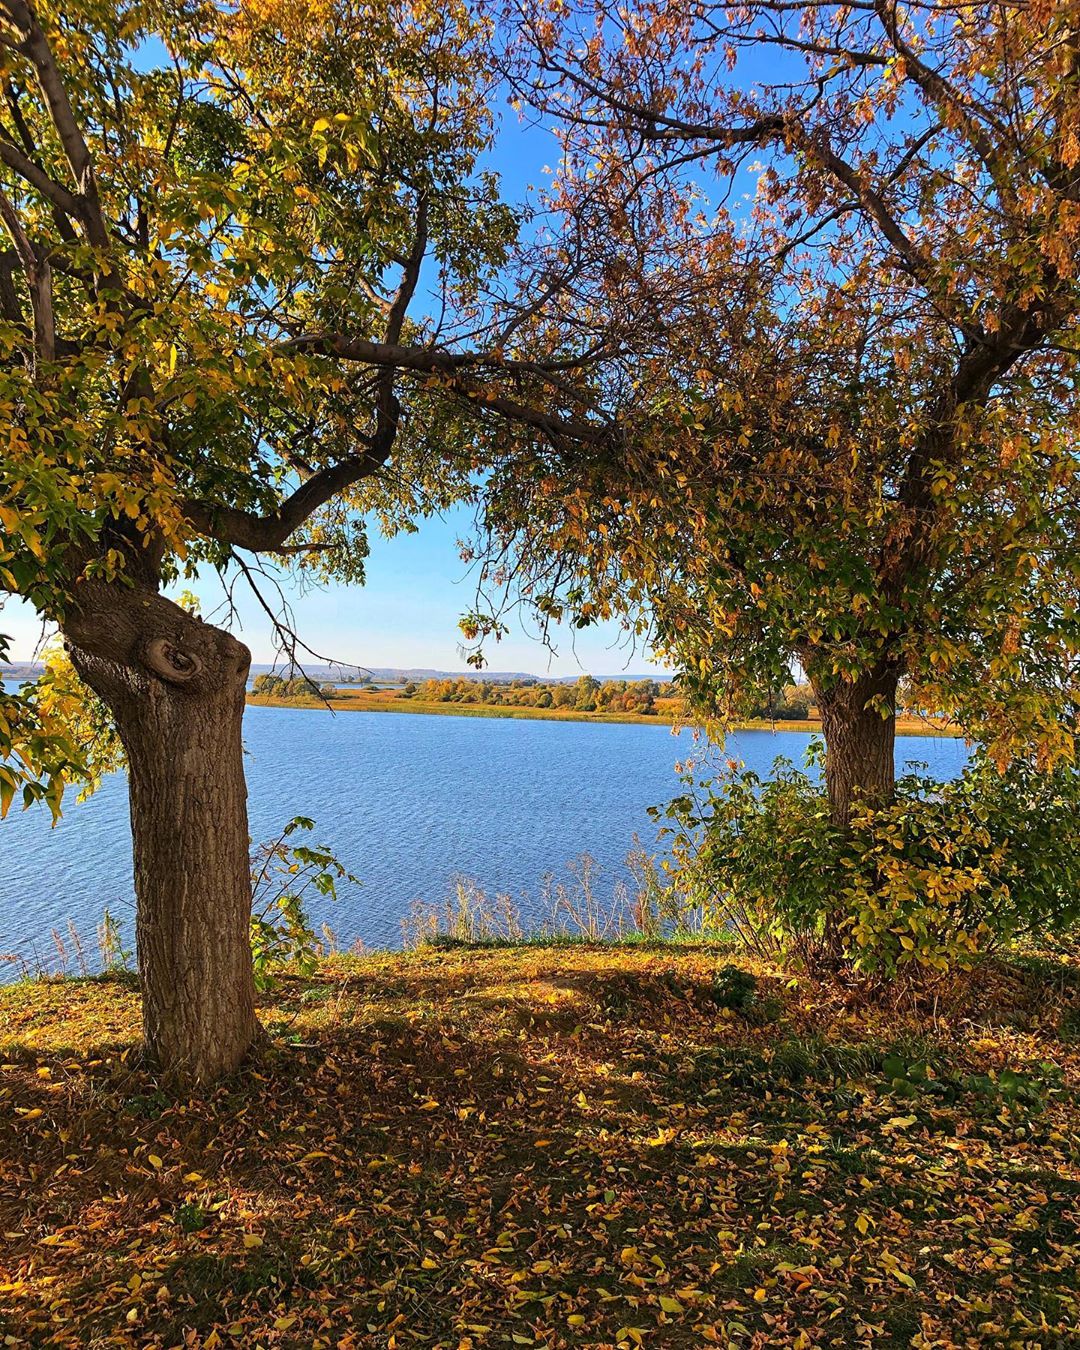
pixel 389 700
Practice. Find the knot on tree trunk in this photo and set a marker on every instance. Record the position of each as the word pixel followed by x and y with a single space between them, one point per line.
pixel 124 638
pixel 171 662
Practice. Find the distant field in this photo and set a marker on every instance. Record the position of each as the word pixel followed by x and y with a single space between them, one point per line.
pixel 667 712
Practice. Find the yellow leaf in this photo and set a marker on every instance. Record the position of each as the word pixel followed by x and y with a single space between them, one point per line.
pixel 252 1240
pixel 154 1160
pixel 670 1305
pixel 284 1323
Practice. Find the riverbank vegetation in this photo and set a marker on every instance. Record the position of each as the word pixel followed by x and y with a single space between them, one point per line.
pixel 933 881
pixel 572 1146
pixel 583 695
pixel 608 701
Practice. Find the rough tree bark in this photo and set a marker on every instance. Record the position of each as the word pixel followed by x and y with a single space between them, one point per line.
pixel 175 686
pixel 859 740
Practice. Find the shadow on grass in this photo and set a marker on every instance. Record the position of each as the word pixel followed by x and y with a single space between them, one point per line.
pixel 544 1146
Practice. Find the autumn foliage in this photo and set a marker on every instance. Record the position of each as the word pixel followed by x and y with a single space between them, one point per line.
pixel 856 229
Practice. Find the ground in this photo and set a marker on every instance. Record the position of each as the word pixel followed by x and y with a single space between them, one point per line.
pixel 549 1147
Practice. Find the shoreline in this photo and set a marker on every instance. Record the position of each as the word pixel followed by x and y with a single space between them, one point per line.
pixel 908 726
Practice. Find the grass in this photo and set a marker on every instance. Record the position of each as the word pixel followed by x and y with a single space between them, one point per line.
pixel 391 700
pixel 604 1146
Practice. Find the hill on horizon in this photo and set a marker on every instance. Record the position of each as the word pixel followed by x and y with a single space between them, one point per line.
pixel 349 674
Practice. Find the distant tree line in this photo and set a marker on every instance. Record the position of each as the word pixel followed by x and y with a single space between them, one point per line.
pixel 296 687
pixel 794 703
pixel 583 695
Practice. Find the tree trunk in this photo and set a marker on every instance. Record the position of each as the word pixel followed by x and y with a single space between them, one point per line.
pixel 175 687
pixel 858 721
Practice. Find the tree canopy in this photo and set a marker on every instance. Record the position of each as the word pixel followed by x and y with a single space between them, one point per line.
pixel 858 226
pixel 222 225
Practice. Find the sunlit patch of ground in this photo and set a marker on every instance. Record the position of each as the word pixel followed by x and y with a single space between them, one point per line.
pixel 552 1147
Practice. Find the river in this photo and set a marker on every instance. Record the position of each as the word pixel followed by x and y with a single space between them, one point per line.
pixel 408 802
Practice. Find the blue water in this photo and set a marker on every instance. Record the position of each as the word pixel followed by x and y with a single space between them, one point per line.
pixel 408 802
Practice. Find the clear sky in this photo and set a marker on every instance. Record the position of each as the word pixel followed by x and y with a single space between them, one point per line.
pixel 417 587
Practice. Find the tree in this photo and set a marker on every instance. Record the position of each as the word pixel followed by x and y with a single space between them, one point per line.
pixel 794 702
pixel 564 696
pixel 585 691
pixel 209 353
pixel 861 455
pixel 642 694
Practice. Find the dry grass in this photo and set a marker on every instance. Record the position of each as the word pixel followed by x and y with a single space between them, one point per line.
pixel 668 712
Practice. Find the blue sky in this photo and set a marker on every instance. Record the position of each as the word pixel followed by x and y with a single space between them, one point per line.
pixel 417 587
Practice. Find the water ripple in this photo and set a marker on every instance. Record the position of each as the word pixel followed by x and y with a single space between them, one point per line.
pixel 408 802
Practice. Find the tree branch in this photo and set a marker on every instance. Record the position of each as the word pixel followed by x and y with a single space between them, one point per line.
pixel 410 274
pixel 266 534
pixel 34 45
pixel 874 204
pixel 36 176
pixel 935 88
pixel 38 279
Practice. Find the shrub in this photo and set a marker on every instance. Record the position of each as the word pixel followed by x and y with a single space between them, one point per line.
pixel 283 874
pixel 942 873
pixel 267 683
pixel 734 989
